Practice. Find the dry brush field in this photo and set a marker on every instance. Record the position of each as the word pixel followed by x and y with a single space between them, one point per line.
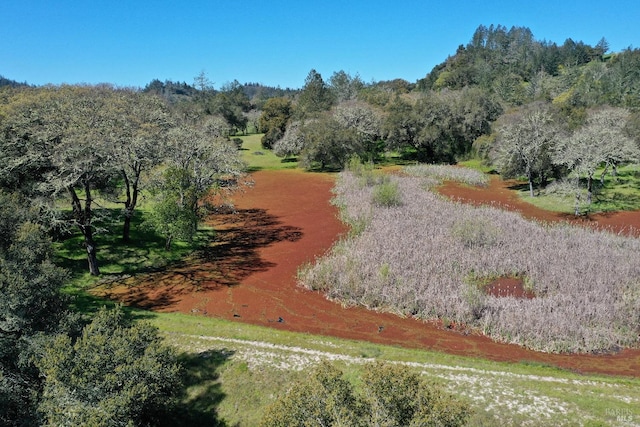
pixel 430 258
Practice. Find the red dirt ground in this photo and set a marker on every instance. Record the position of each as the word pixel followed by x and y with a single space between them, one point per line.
pixel 500 193
pixel 508 287
pixel 248 275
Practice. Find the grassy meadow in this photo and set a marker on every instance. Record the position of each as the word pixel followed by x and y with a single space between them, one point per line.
pixel 251 365
pixel 233 370
pixel 258 158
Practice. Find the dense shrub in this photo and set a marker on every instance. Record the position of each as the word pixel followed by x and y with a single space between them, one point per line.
pixel 586 282
pixel 390 395
pixel 386 194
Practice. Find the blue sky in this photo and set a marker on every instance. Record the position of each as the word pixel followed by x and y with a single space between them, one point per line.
pixel 275 42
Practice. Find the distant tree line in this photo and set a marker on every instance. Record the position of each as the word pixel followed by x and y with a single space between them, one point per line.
pixel 12 83
pixel 529 108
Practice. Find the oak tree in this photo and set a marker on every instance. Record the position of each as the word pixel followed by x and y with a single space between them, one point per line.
pixel 64 132
pixel 524 142
pixel 600 141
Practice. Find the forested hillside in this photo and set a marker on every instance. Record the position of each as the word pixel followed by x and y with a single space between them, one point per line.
pixel 528 108
pixel 8 82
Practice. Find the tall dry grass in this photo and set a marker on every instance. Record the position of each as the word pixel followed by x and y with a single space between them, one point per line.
pixel 425 258
pixel 449 173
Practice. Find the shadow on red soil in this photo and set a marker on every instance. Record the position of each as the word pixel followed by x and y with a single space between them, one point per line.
pixel 286 220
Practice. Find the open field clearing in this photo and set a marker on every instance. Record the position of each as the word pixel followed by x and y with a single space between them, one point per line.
pixel 501 194
pixel 430 258
pixel 249 275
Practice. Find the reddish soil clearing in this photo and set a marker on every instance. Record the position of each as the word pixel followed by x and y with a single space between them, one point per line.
pixel 499 194
pixel 248 275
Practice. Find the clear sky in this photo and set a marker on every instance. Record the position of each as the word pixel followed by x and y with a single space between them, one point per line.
pixel 275 42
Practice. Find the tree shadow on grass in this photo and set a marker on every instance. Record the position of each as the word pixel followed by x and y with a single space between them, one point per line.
pixel 519 186
pixel 202 393
pixel 227 261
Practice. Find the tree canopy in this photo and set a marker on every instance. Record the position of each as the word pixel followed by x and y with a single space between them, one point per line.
pixel 391 396
pixel 115 373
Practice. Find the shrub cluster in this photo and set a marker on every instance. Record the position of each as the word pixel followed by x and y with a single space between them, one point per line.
pixel 389 395
pixel 423 259
pixel 386 194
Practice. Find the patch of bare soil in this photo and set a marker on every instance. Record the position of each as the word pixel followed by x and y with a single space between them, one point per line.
pixel 249 275
pixel 500 193
pixel 504 287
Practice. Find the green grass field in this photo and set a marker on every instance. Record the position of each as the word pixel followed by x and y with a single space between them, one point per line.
pixel 258 158
pixel 615 194
pixel 253 365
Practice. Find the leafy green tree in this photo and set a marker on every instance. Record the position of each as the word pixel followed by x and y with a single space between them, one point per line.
pixel 116 373
pixel 328 144
pixel 391 396
pixel 325 398
pixel 623 79
pixel 367 123
pixel 292 142
pixel 205 91
pixel 29 281
pixel 173 215
pixel 632 129
pixel 441 126
pixel 197 164
pixel 232 103
pixel 31 304
pixel 470 114
pixel 344 87
pixel 395 396
pixel 315 96
pixel 144 121
pixel 276 113
pixel 401 125
pixel 64 132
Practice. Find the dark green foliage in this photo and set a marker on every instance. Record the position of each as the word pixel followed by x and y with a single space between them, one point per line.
pixel 116 373
pixel 395 396
pixel 11 83
pixel 26 266
pixel 390 395
pixel 172 91
pixel 326 398
pixel 230 103
pixel 173 215
pixel 441 126
pixel 316 96
pixel 30 305
pixel 274 119
pixel 344 87
pixel 327 144
pixel 495 52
